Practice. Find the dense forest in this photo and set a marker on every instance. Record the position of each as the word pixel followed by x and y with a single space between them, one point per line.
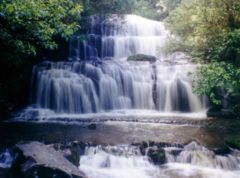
pixel 209 30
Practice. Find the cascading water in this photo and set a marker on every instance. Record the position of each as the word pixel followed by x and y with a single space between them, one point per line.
pixel 99 78
pixel 116 162
pixel 118 37
pixel 192 160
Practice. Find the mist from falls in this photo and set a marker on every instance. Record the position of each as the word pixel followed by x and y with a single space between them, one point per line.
pixel 98 78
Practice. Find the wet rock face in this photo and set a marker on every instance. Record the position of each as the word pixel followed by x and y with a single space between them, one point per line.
pixel 143 147
pixel 157 155
pixel 227 108
pixel 46 172
pixel 43 161
pixel 72 151
pixel 34 159
pixel 142 58
pixel 155 151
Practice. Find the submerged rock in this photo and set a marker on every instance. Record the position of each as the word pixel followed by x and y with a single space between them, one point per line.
pixel 92 127
pixel 43 161
pixel 157 155
pixel 142 57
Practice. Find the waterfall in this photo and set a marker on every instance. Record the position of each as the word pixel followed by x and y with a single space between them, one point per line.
pixel 193 160
pixel 116 162
pixel 98 83
pixel 119 37
pixel 97 77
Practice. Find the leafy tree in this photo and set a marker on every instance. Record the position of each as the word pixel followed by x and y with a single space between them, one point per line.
pixel 28 25
pixel 210 31
pixel 27 28
pixel 146 8
pixel 217 75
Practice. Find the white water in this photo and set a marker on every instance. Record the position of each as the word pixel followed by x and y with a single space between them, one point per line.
pixel 121 162
pixel 97 85
pixel 114 85
pixel 127 162
pixel 6 159
pixel 116 162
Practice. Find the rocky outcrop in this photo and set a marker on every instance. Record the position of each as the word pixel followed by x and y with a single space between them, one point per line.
pixel 142 58
pixel 44 161
pixel 229 107
pixel 155 151
pixel 71 151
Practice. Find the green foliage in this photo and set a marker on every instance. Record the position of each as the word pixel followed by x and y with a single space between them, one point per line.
pixel 216 75
pixel 204 23
pixel 174 44
pixel 227 46
pixel 210 30
pixel 234 143
pixel 27 29
pixel 147 8
pixel 28 25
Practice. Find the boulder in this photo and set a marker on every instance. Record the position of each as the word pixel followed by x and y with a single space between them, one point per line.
pixel 157 155
pixel 142 58
pixel 44 161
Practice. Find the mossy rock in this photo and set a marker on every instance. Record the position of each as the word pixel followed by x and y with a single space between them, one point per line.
pixel 157 156
pixel 142 58
pixel 234 143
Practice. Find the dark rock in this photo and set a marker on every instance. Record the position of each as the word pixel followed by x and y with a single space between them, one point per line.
pixel 222 151
pixel 223 113
pixel 77 149
pixel 234 98
pixel 92 126
pixel 157 155
pixel 72 151
pixel 176 152
pixel 162 145
pixel 214 108
pixel 151 143
pixel 142 58
pixel 59 146
pixel 5 173
pixel 43 161
pixel 46 172
pixel 143 147
pixel 234 143
pixel 137 144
